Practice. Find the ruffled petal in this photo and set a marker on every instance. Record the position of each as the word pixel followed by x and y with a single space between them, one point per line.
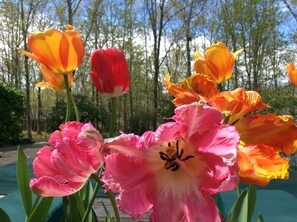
pixel 66 167
pixel 48 186
pixel 193 89
pixel 279 132
pixel 238 103
pixel 197 118
pixel 259 164
pixel 135 180
pixel 218 148
pixel 191 207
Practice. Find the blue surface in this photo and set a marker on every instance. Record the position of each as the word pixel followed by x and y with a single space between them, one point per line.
pixel 273 205
pixel 277 202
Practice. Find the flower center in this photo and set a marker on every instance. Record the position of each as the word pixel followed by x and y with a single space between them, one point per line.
pixel 173 157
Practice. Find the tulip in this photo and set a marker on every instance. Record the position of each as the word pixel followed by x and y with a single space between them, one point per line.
pixel 60 52
pixel 64 169
pixel 174 172
pixel 110 73
pixel 54 81
pixel 217 62
pixel 291 70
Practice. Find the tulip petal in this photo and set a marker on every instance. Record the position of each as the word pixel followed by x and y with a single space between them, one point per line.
pixel 217 62
pixel 76 155
pixel 44 46
pixel 259 164
pixel 193 89
pixel 110 73
pixel 279 132
pixel 48 187
pixel 55 81
pixel 238 103
pixel 181 164
pixel 139 186
pixel 180 208
pixel 291 70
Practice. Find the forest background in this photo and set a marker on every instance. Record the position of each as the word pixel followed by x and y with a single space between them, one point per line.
pixel 157 37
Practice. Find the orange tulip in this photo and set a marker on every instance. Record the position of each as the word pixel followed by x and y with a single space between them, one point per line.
pixel 52 80
pixel 237 103
pixel 217 62
pixel 259 164
pixel 279 132
pixel 262 137
pixel 291 70
pixel 195 88
pixel 60 52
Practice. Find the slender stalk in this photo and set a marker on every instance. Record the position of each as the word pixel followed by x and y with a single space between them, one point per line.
pixel 111 198
pixel 113 116
pixel 75 108
pixel 93 196
pixel 238 190
pixel 36 201
pixel 68 110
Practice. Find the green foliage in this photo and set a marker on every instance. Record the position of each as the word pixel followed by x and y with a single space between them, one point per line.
pixel 11 114
pixel 99 117
pixel 281 101
pixel 244 206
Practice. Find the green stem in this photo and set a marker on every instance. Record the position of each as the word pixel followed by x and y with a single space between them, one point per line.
pixel 113 116
pixel 68 110
pixel 36 201
pixel 238 190
pixel 111 198
pixel 97 186
pixel 75 108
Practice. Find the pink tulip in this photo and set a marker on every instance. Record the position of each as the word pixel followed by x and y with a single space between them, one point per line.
pixel 174 172
pixel 75 155
pixel 110 73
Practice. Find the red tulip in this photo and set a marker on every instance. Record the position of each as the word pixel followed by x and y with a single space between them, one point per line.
pixel 110 73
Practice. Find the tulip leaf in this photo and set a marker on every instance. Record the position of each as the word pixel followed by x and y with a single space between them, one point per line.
pixel 23 180
pixel 244 206
pixel 252 193
pixel 3 216
pixel 70 209
pixel 41 210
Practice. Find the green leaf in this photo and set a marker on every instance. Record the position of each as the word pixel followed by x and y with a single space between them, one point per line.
pixel 23 180
pixel 252 194
pixel 244 206
pixel 3 216
pixel 41 210
pixel 238 212
pixel 71 213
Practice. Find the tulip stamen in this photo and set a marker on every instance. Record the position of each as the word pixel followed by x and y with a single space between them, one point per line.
pixel 173 161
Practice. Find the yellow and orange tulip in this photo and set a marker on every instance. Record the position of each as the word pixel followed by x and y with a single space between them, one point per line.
pixel 292 71
pixel 195 88
pixel 60 52
pixel 263 137
pixel 238 103
pixel 217 62
pixel 54 81
pixel 259 164
pixel 279 132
